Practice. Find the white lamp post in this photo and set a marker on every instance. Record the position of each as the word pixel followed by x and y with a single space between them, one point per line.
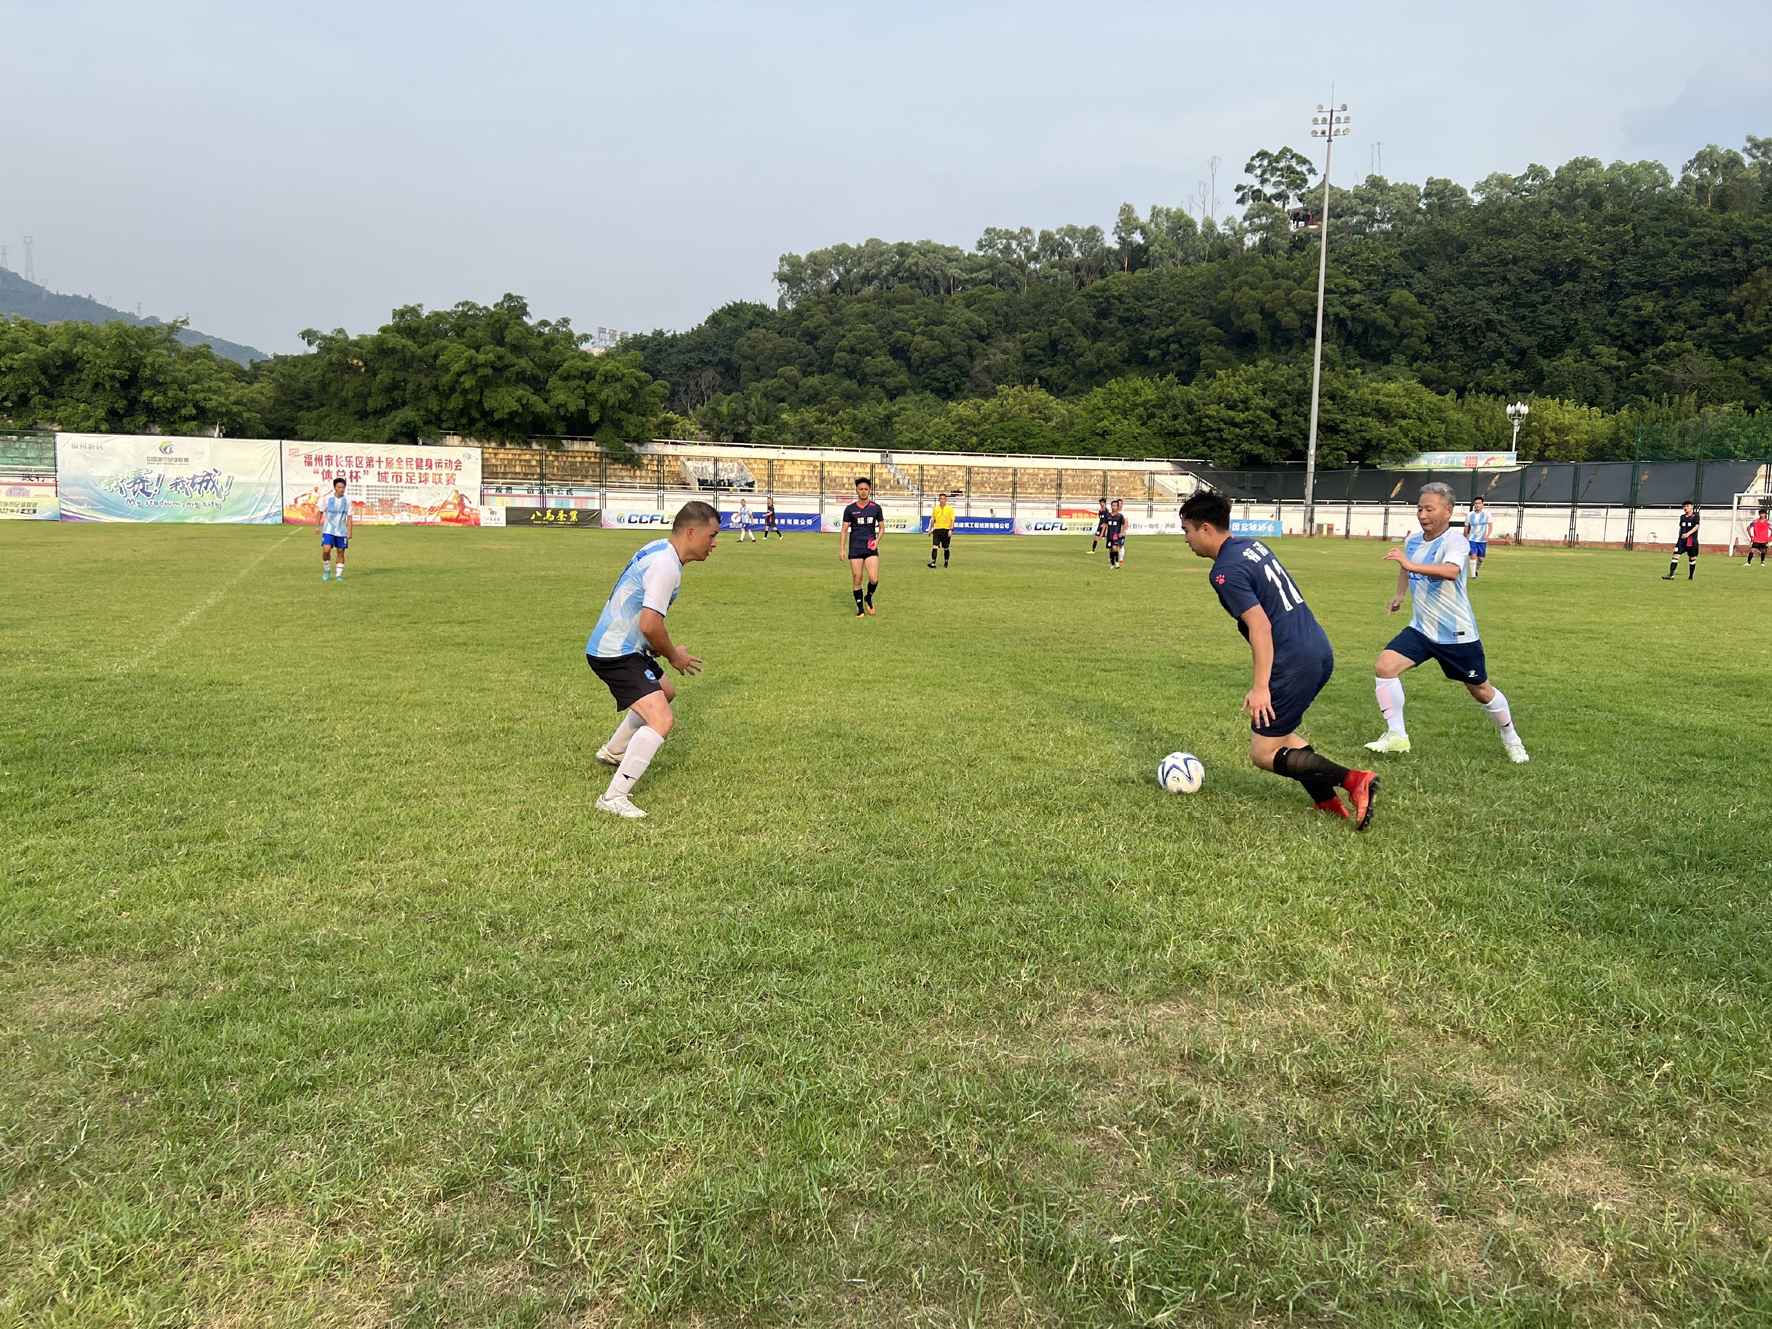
pixel 1329 124
pixel 1518 413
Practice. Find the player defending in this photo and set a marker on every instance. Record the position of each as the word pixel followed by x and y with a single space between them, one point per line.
pixel 1686 543
pixel 743 522
pixel 859 541
pixel 1432 566
pixel 1101 517
pixel 769 526
pixel 629 642
pixel 335 529
pixel 1759 534
pixel 1476 534
pixel 1114 527
pixel 1292 657
pixel 941 530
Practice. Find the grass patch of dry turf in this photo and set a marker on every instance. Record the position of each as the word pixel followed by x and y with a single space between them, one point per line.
pixel 326 998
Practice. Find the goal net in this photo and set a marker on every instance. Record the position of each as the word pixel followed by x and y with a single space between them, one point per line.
pixel 1743 513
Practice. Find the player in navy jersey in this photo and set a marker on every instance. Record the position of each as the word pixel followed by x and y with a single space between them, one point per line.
pixel 1114 528
pixel 1101 517
pixel 1292 657
pixel 1686 544
pixel 1432 567
pixel 859 541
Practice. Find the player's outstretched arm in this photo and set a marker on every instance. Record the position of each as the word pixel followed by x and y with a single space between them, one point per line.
pixel 1444 571
pixel 1259 701
pixel 652 626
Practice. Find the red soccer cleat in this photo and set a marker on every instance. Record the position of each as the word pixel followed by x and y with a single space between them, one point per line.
pixel 1362 787
pixel 1334 807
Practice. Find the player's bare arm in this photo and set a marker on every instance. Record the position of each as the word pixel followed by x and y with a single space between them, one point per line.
pixel 1259 701
pixel 1444 571
pixel 652 625
pixel 843 543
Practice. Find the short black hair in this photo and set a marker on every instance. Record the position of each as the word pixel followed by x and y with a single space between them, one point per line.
pixel 1117 502
pixel 338 479
pixel 863 480
pixel 695 513
pixel 1208 507
pixel 1688 504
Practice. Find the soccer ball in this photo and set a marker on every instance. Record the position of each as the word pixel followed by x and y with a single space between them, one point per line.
pixel 1181 773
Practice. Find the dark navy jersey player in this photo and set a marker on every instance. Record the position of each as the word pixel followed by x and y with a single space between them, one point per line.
pixel 1686 543
pixel 1113 526
pixel 1291 656
pixel 1100 525
pixel 863 522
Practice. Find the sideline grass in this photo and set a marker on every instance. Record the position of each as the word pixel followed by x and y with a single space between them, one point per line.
pixel 325 997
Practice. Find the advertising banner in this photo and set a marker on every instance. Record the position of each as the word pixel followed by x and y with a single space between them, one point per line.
pixel 114 477
pixel 556 519
pixel 387 485
pixel 984 526
pixel 1056 525
pixel 1266 528
pixel 640 520
pixel 1454 461
pixel 28 498
pixel 784 521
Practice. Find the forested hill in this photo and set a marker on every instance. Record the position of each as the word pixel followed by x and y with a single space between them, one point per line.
pixel 1611 291
pixel 42 305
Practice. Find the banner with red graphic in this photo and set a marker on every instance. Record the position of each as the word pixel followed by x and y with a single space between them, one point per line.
pixel 404 485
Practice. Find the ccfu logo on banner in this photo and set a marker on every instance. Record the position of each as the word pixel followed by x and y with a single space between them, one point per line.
pixel 408 486
pixel 112 477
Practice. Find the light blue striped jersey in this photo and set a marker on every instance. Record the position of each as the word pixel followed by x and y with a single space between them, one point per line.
pixel 1442 608
pixel 1476 526
pixel 335 509
pixel 649 581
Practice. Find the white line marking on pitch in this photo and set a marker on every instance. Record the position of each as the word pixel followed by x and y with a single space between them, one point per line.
pixel 191 617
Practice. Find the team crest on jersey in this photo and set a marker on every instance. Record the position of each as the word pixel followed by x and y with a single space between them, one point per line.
pixel 1219 579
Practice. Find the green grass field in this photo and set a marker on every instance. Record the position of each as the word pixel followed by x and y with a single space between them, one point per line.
pixel 326 997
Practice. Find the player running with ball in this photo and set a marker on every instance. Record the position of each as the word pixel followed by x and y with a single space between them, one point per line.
pixel 630 641
pixel 1293 660
pixel 1432 567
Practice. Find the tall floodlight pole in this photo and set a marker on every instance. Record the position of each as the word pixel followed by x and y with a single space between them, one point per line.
pixel 1329 125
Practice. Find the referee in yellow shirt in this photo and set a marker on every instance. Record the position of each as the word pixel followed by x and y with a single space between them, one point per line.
pixel 941 530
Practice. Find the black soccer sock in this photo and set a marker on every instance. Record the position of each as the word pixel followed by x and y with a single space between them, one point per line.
pixel 946 554
pixel 1691 567
pixel 1673 565
pixel 1309 769
pixel 858 598
pixel 872 587
pixel 1319 790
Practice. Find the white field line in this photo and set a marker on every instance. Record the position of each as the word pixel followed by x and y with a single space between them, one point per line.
pixel 192 615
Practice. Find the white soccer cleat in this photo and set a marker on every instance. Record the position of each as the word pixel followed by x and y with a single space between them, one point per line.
pixel 1516 752
pixel 607 757
pixel 619 805
pixel 1391 742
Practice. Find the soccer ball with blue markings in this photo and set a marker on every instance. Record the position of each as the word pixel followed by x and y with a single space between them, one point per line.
pixel 1181 773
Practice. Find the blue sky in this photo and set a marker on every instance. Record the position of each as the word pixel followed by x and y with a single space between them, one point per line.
pixel 263 168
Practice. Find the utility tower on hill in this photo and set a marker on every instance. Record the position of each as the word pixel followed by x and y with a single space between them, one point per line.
pixel 30 267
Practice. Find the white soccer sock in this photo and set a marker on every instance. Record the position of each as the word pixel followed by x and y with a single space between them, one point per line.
pixel 1390 701
pixel 618 741
pixel 640 750
pixel 338 568
pixel 1498 711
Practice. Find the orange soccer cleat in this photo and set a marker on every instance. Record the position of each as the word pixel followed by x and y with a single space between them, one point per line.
pixel 1362 788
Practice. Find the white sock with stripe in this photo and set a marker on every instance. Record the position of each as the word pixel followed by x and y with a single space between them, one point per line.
pixel 1390 701
pixel 1498 711
pixel 639 756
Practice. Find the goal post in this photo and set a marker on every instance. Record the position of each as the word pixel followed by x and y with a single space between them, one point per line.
pixel 1742 513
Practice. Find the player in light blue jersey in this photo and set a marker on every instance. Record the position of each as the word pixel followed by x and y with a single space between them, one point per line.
pixel 1433 565
pixel 629 647
pixel 335 530
pixel 1476 533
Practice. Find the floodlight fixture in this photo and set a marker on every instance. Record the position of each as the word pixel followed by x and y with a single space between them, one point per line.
pixel 1333 124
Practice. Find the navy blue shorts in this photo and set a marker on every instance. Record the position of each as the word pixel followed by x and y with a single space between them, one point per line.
pixel 1292 693
pixel 1479 548
pixel 334 542
pixel 1460 661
